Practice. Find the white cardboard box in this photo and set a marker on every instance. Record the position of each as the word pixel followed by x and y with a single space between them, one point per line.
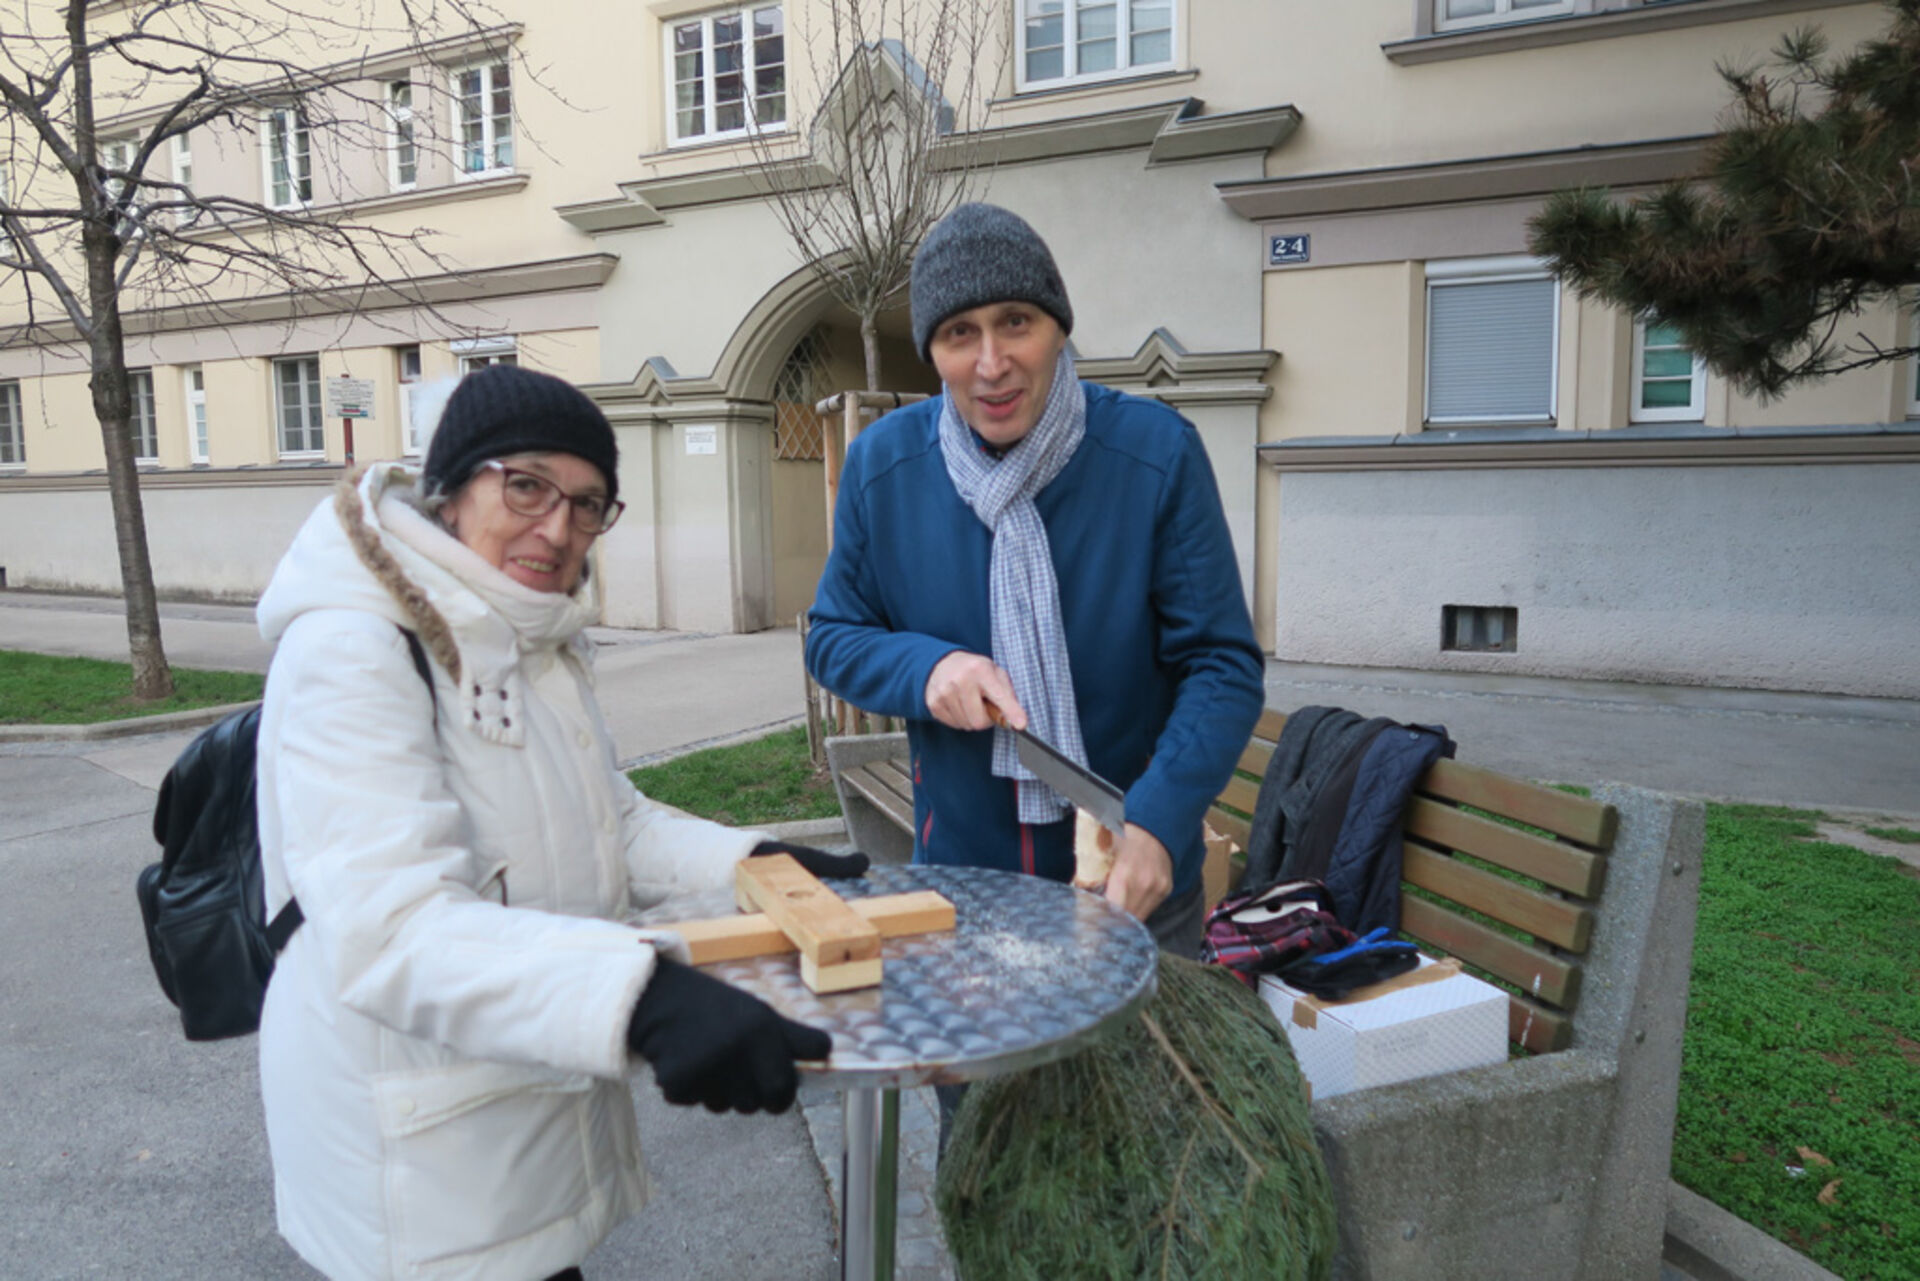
pixel 1424 1022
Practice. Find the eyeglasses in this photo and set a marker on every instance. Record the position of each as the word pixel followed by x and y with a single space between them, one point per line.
pixel 529 494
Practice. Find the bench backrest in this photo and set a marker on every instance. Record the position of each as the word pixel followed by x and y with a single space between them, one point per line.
pixel 1517 905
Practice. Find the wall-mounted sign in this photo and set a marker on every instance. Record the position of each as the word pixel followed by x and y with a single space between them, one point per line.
pixel 703 440
pixel 349 397
pixel 1284 249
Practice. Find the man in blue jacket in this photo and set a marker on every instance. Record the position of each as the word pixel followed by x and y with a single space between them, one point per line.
pixel 1054 549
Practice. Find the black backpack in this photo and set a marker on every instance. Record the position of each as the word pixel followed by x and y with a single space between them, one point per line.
pixel 205 901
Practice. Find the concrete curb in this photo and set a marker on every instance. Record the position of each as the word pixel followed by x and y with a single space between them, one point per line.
pixel 163 723
pixel 1708 1243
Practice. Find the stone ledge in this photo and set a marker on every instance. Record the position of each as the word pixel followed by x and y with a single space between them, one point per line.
pixel 163 723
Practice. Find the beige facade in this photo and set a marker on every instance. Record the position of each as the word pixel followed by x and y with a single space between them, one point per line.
pixel 1393 150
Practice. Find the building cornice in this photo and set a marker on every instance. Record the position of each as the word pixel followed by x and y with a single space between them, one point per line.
pixel 1164 370
pixel 1541 33
pixel 559 275
pixel 451 193
pixel 368 66
pixel 1496 449
pixel 1535 173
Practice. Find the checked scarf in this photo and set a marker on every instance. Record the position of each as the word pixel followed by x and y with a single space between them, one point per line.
pixel 1028 640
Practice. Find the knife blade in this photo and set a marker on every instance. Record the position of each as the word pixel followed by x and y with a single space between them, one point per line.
pixel 1086 789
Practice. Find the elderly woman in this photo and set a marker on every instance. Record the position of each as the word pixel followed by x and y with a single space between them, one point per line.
pixel 445 1043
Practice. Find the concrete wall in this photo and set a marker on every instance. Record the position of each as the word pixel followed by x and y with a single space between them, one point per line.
pixel 1780 577
pixel 207 542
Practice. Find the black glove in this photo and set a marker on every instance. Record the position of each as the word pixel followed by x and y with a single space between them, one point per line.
pixel 711 1043
pixel 822 864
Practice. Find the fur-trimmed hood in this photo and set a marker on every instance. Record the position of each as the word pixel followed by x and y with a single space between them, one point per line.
pixel 370 547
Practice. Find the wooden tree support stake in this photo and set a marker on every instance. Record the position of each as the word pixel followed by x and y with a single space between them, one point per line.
pixel 751 934
pixel 839 949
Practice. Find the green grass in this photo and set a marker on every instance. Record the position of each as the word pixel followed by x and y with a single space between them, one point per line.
pixel 1803 1032
pixel 1904 835
pixel 770 780
pixel 41 689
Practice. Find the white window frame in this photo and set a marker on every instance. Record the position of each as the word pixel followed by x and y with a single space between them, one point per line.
pixel 1913 371
pixel 193 381
pixel 288 122
pixel 1489 271
pixel 13 428
pixel 180 157
pixel 311 402
pixel 6 240
pixel 749 73
pixel 1503 14
pixel 478 353
pixel 409 381
pixel 490 138
pixel 143 422
pixel 1692 412
pixel 1123 67
pixel 401 135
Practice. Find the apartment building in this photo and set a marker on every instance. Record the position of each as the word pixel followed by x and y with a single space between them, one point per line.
pixel 1303 224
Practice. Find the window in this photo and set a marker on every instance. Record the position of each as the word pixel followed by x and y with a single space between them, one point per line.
pixel 1450 15
pixel 1913 372
pixel 13 452
pixel 146 440
pixel 727 73
pixel 196 382
pixel 403 161
pixel 289 161
pixel 1492 341
pixel 116 156
pixel 1491 629
pixel 407 364
pixel 483 118
pixel 1669 381
pixel 296 383
pixel 477 353
pixel 182 154
pixel 1091 39
pixel 6 239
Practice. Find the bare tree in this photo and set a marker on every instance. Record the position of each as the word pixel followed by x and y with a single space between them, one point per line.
pixel 97 222
pixel 897 99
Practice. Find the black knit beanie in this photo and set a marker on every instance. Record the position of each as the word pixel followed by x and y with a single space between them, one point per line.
pixel 503 409
pixel 981 254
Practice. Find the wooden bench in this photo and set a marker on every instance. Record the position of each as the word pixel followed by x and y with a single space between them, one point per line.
pixel 1553 1164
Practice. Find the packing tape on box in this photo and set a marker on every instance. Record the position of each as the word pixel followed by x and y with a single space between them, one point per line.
pixel 1306 1009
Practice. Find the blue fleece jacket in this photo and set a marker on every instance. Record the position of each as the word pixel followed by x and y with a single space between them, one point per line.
pixel 1167 676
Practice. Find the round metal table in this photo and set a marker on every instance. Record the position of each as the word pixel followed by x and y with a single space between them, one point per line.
pixel 1031 970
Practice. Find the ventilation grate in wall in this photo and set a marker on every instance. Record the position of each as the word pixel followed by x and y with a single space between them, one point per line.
pixel 1485 629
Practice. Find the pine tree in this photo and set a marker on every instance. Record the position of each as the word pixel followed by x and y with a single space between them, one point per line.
pixel 1807 211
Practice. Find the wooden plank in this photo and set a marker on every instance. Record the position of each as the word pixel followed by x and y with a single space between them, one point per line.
pixel 847 976
pixel 1240 794
pixel 1535 1026
pixel 827 931
pixel 893 774
pixel 1554 920
pixel 750 934
pixel 1577 818
pixel 1230 825
pixel 862 779
pixel 1254 760
pixel 1565 867
pixel 1549 978
pixel 1269 725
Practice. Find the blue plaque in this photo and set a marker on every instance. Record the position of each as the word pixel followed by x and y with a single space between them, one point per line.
pixel 1282 250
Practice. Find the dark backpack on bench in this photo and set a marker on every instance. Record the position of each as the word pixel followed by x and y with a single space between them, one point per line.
pixel 205 901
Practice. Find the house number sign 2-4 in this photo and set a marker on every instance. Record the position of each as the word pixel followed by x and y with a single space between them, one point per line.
pixel 1283 249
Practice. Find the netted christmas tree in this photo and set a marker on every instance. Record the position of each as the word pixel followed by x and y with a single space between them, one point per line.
pixel 1181 1147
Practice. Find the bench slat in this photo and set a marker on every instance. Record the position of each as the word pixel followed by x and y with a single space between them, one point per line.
pixel 1240 794
pixel 1562 866
pixel 1230 825
pixel 1269 725
pixel 1535 1026
pixel 894 775
pixel 1255 758
pixel 1555 920
pixel 865 781
pixel 1552 979
pixel 1577 818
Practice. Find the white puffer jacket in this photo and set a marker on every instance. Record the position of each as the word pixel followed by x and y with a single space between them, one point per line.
pixel 442 1054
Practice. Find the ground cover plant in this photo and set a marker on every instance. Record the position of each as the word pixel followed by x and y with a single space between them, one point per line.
pixel 1800 1090
pixel 768 780
pixel 1904 835
pixel 43 689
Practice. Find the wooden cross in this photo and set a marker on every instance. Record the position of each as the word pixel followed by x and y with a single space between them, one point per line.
pixel 787 909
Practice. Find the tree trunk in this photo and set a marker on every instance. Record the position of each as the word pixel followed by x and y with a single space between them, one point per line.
pixel 113 406
pixel 870 349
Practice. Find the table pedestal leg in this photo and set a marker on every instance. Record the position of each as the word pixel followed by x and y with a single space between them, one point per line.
pixel 871 1186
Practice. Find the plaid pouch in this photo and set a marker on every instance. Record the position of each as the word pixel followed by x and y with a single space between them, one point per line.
pixel 1268 929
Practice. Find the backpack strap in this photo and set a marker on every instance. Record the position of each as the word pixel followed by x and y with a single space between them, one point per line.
pixel 289 918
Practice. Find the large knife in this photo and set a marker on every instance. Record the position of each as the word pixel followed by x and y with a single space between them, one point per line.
pixel 1086 789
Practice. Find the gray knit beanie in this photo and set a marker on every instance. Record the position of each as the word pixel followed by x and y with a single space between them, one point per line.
pixel 981 254
pixel 503 409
